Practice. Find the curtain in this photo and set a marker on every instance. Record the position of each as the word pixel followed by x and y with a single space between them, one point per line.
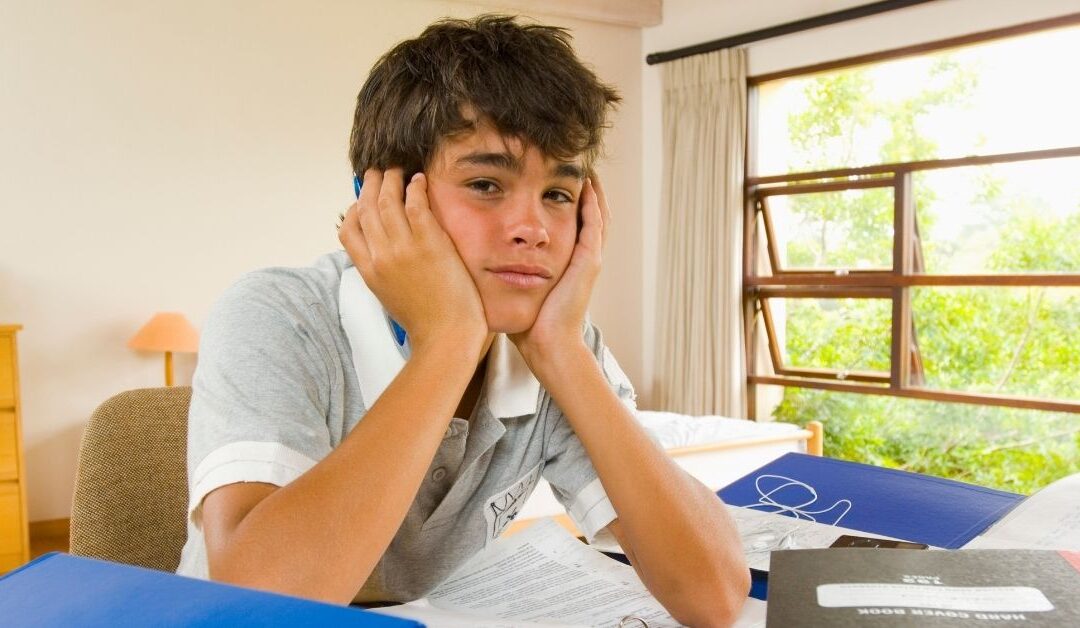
pixel 701 365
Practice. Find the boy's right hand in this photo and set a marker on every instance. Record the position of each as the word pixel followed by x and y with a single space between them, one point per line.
pixel 410 263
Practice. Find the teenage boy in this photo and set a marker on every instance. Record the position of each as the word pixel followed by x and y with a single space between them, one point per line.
pixel 361 427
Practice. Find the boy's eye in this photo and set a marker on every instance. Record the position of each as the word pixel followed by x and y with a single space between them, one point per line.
pixel 483 186
pixel 559 196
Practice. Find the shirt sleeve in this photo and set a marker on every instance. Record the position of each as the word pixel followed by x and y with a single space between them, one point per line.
pixel 260 390
pixel 568 469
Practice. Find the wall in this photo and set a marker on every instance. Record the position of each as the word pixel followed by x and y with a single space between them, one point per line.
pixel 154 151
pixel 688 22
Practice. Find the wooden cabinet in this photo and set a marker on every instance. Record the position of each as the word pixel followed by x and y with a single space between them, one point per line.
pixel 14 533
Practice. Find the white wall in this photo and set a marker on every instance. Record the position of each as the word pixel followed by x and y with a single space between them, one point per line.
pixel 150 152
pixel 688 22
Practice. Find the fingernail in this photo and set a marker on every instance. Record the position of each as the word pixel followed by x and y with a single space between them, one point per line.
pixel 418 174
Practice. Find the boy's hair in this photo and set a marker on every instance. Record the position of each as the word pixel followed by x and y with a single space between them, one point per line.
pixel 523 78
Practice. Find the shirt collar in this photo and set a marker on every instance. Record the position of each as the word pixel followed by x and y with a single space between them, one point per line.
pixel 510 388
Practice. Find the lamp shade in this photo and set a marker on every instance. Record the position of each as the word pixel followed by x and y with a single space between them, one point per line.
pixel 167 331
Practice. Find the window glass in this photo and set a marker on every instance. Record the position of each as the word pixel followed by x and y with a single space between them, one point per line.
pixel 1001 96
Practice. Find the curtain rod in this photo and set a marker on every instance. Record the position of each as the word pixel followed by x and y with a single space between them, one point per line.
pixel 783 29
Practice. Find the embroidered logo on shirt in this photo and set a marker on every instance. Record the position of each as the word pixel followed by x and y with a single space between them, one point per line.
pixel 503 507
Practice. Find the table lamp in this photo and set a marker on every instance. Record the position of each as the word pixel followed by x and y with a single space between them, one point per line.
pixel 168 332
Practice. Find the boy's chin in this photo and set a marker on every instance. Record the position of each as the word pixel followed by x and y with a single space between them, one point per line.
pixel 510 322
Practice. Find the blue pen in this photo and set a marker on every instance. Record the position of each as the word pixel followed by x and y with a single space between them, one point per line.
pixel 399 332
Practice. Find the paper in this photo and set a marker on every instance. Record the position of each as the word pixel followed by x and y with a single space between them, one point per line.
pixel 544 574
pixel 543 577
pixel 752 615
pixel 764 532
pixel 1049 519
pixel 424 612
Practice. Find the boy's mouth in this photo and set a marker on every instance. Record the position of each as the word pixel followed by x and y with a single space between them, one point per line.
pixel 522 275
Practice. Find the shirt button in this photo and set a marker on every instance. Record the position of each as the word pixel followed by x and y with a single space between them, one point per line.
pixel 438 474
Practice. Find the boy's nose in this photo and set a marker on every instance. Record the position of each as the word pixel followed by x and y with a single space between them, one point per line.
pixel 526 227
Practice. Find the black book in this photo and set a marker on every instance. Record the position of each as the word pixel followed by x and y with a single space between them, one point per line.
pixel 895 587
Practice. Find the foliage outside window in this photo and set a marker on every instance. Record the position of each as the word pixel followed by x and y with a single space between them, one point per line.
pixel 913 259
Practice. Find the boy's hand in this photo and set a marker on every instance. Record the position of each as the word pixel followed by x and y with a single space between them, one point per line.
pixel 558 325
pixel 409 262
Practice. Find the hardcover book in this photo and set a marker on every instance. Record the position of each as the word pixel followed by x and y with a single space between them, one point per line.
pixel 895 588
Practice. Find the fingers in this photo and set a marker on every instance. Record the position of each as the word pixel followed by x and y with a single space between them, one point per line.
pixel 367 214
pixel 592 222
pixel 391 208
pixel 388 219
pixel 352 238
pixel 605 209
pixel 417 210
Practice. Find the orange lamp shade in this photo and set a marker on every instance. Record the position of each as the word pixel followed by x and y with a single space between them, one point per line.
pixel 169 332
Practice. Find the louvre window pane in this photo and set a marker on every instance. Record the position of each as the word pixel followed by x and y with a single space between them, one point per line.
pixel 848 335
pixel 995 340
pixel 850 229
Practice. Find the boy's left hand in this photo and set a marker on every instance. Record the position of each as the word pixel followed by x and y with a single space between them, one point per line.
pixel 558 325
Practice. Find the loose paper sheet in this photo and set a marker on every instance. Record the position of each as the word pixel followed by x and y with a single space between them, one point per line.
pixel 544 577
pixel 432 617
pixel 1049 519
pixel 544 574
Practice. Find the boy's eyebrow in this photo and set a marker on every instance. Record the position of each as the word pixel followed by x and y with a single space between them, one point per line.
pixel 567 169
pixel 504 161
pixel 507 161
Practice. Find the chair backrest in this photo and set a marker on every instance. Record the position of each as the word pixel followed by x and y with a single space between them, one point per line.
pixel 130 502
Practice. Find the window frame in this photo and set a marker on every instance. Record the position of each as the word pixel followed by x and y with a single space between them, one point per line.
pixel 905 378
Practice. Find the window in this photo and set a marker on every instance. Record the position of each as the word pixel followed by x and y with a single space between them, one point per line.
pixel 913 232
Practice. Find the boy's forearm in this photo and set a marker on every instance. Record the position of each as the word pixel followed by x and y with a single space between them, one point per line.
pixel 321 536
pixel 684 544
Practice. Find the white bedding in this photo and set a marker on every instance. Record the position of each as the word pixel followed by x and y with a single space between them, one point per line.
pixel 715 469
pixel 673 430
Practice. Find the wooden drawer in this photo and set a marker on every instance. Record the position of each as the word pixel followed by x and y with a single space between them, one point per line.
pixel 7 370
pixel 11 531
pixel 9 446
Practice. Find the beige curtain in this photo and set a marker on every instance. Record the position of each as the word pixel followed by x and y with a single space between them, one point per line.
pixel 701 367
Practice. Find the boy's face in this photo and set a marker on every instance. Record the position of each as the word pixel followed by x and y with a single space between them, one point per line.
pixel 512 214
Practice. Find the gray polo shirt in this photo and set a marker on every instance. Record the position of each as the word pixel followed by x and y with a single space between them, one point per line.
pixel 290 360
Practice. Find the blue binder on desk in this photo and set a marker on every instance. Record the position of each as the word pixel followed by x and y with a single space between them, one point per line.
pixel 63 590
pixel 888 502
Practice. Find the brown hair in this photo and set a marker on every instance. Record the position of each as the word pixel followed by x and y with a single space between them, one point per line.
pixel 523 78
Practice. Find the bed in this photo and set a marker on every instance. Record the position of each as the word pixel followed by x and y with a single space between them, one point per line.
pixel 716 450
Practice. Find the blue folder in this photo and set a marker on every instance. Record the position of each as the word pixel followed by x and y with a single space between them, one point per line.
pixel 63 590
pixel 909 506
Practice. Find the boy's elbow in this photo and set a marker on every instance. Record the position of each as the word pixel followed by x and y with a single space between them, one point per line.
pixel 718 601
